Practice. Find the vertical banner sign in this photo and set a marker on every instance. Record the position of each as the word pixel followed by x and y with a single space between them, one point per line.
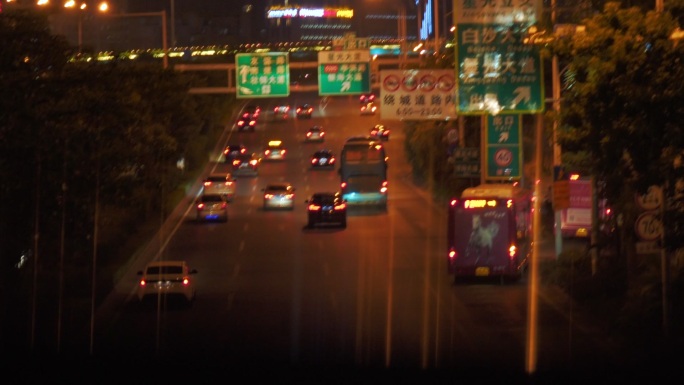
pixel 262 75
pixel 497 71
pixel 503 147
pixel 344 72
pixel 417 94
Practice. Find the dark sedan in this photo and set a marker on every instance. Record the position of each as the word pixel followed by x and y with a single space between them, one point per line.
pixel 326 208
pixel 323 159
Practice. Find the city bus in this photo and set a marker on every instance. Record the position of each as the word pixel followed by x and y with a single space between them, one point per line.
pixel 489 232
pixel 363 173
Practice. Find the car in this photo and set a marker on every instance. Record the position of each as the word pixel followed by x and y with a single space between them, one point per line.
pixel 360 138
pixel 232 151
pixel 251 111
pixel 281 112
pixel 366 98
pixel 246 124
pixel 380 131
pixel 279 195
pixel 246 165
pixel 211 207
pixel 323 159
pixel 368 108
pixel 315 134
pixel 326 208
pixel 167 278
pixel 221 184
pixel 275 150
pixel 304 111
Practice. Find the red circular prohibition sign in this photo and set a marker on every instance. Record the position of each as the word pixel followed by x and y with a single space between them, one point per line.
pixel 391 83
pixel 446 83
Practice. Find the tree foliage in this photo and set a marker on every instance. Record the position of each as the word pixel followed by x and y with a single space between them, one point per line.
pixel 623 106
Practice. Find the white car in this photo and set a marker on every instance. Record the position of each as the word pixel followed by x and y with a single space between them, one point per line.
pixel 221 184
pixel 211 207
pixel 315 134
pixel 279 196
pixel 167 278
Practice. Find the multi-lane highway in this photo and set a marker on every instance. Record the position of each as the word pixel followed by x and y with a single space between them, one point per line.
pixel 272 293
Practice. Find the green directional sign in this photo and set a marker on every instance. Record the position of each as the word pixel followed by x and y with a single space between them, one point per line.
pixel 503 155
pixel 344 72
pixel 262 75
pixel 497 71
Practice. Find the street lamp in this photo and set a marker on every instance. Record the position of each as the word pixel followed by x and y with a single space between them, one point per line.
pixel 81 6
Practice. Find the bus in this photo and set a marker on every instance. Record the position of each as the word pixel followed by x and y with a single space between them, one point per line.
pixel 363 173
pixel 489 232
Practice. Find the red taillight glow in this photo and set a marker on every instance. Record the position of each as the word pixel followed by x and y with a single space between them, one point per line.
pixel 207 183
pixel 186 281
pixel 343 184
pixel 242 151
pixel 229 183
pixel 282 151
pixel 268 196
pixel 313 207
pixel 453 254
pixel 142 282
pixel 453 202
pixel 253 162
pixel 308 134
pixel 289 196
pixel 383 188
pixel 223 205
pixel 341 207
pixel 267 152
pixel 200 206
pixel 236 162
pixel 314 161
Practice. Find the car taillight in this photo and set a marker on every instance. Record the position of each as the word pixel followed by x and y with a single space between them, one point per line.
pixel 236 163
pixel 452 254
pixel 268 196
pixel 308 134
pixel 267 152
pixel 313 207
pixel 207 183
pixel 383 188
pixel 240 123
pixel 253 162
pixel 343 185
pixel 200 206
pixel 142 282
pixel 289 196
pixel 341 207
pixel 223 205
pixel 314 161
pixel 332 160
pixel 322 134
pixel 229 183
pixel 282 151
pixel 186 281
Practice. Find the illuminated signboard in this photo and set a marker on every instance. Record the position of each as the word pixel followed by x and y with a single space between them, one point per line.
pixel 328 13
pixel 262 75
pixel 478 203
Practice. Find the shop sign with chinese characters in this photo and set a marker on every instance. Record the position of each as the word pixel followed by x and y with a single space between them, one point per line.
pixel 417 94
